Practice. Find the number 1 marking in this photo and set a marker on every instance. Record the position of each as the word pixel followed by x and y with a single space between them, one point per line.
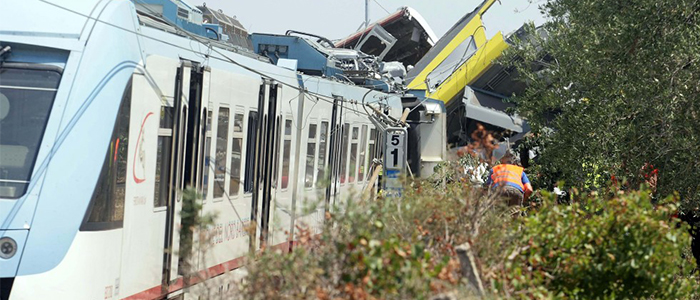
pixel 395 152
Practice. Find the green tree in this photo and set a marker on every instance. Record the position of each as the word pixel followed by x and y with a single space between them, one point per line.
pixel 615 88
pixel 601 248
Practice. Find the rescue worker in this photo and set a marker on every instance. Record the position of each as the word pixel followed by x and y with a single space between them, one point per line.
pixel 510 181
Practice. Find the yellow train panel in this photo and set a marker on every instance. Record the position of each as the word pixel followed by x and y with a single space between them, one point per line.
pixel 470 71
pixel 456 78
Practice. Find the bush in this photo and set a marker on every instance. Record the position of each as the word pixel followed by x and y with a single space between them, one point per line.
pixel 613 245
pixel 598 248
pixel 383 249
pixel 618 93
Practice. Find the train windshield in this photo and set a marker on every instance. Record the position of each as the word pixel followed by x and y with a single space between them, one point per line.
pixel 26 96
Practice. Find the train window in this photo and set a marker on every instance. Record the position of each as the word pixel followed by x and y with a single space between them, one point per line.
pixel 454 60
pixel 107 204
pixel 221 151
pixel 250 152
pixel 286 153
pixel 236 154
pixel 285 163
pixel 183 124
pixel 322 142
pixel 312 131
pixel 26 97
pixel 183 13
pixel 162 171
pixel 236 166
pixel 310 160
pixel 287 128
pixel 209 117
pixel 353 162
pixel 207 158
pixel 372 148
pixel 163 157
pixel 275 167
pixel 238 123
pixel 310 157
pixel 362 156
pixel 263 141
pixel 344 152
pixel 353 155
pixel 166 117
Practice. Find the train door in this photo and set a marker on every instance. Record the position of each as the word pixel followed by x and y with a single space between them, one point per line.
pixel 267 153
pixel 193 164
pixel 334 153
pixel 185 164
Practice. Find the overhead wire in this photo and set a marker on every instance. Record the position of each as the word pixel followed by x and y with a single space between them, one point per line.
pixel 462 59
pixel 462 62
pixel 211 48
pixel 367 25
pixel 199 39
pixel 228 198
pixel 207 55
pixel 159 93
pixel 318 96
pixel 380 5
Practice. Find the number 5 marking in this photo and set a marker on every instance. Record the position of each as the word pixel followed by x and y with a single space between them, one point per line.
pixel 395 140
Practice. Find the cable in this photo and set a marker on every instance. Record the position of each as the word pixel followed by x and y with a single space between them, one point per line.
pixel 149 79
pixel 361 36
pixel 367 25
pixel 364 107
pixel 380 5
pixel 261 74
pixel 224 57
pixel 223 188
pixel 304 121
pixel 210 48
pixel 462 61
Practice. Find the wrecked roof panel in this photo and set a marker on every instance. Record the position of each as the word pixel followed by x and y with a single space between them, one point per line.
pixel 442 43
pixel 221 17
pixel 491 109
pixel 414 37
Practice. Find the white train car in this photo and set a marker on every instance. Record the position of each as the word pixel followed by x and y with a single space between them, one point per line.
pixel 103 122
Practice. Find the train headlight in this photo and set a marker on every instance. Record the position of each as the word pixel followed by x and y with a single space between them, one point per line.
pixel 8 248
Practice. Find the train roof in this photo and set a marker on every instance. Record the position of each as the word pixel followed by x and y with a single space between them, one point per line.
pixel 401 25
pixel 150 20
pixel 62 25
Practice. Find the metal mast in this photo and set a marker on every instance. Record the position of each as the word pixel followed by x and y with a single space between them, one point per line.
pixel 366 13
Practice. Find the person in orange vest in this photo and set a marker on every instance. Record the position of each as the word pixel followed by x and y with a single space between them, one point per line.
pixel 510 181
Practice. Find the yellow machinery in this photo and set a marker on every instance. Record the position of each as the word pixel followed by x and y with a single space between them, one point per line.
pixel 458 59
pixel 460 72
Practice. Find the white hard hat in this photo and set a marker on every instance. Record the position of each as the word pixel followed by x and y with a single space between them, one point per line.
pixel 501 151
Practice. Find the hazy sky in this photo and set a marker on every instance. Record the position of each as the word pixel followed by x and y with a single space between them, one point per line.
pixel 336 19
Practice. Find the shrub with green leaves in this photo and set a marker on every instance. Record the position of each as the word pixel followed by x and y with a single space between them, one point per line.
pixel 607 246
pixel 381 249
pixel 599 248
pixel 618 92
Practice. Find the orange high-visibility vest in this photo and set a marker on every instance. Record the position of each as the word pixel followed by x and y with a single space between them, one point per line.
pixel 508 173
